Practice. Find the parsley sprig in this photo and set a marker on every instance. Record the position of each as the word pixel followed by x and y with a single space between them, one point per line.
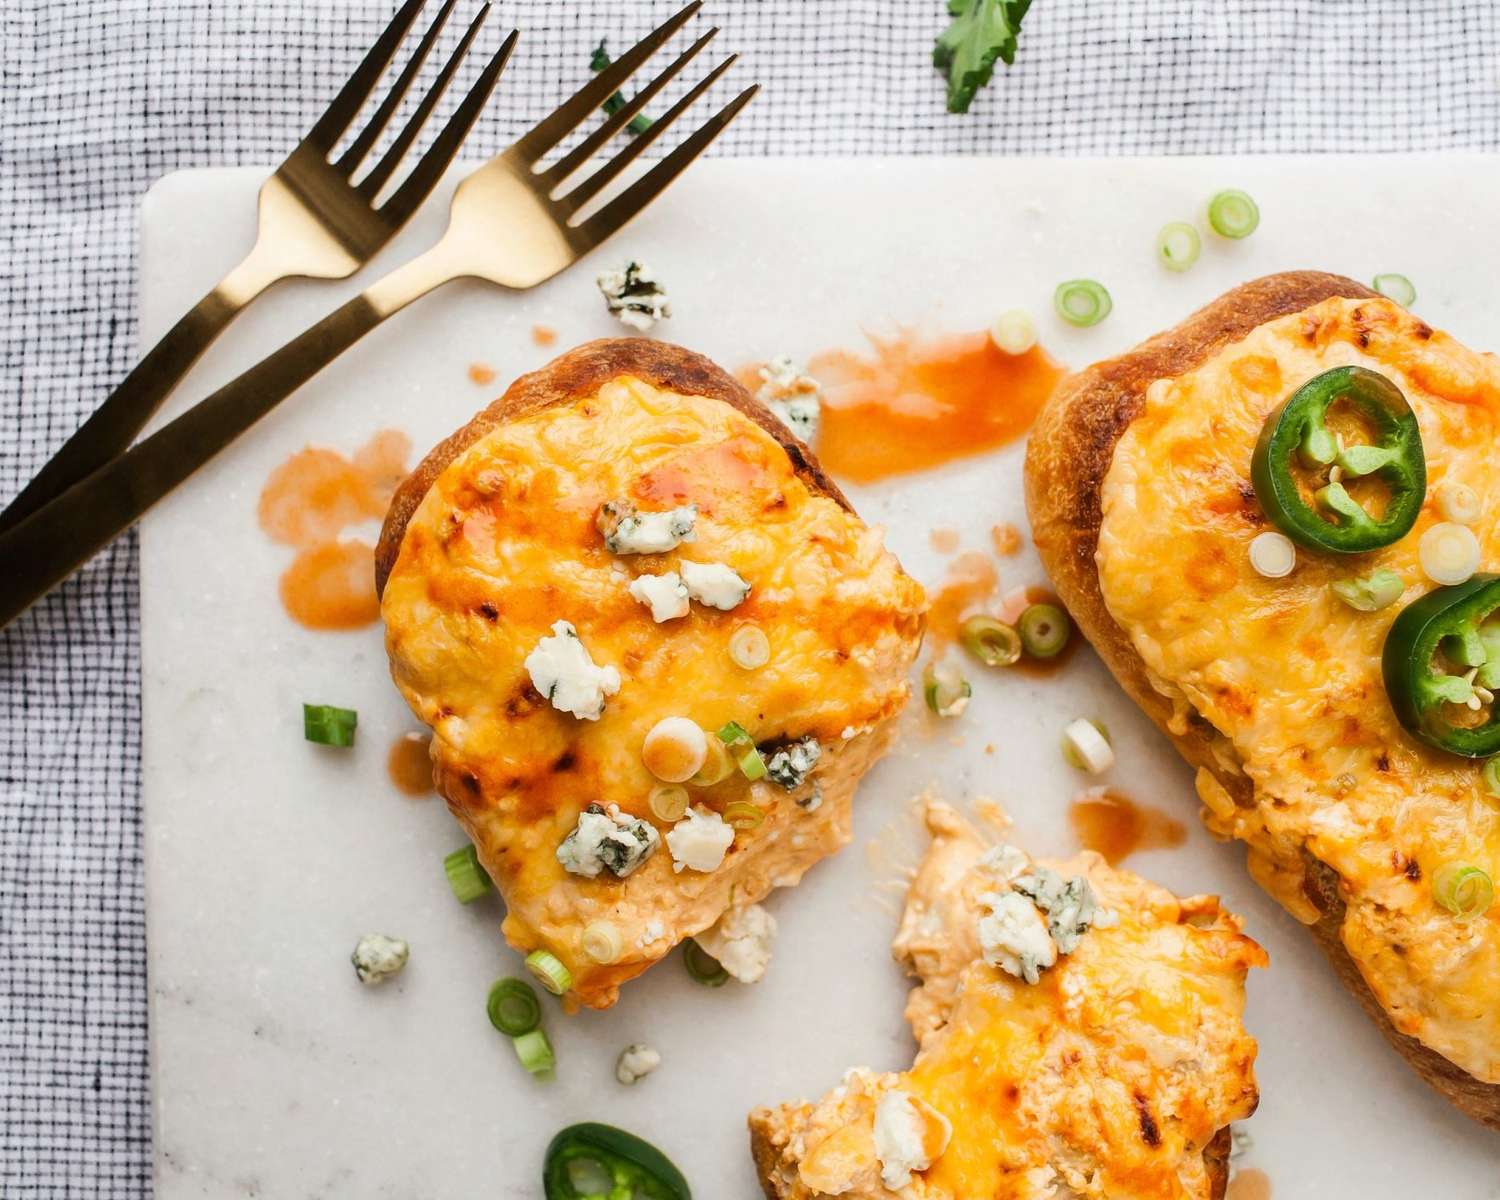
pixel 981 31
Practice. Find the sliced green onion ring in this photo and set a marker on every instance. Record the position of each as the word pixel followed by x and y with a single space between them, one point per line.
pixel 669 802
pixel 1463 889
pixel 465 876
pixel 752 765
pixel 535 1052
pixel 1371 593
pixel 513 1007
pixel 1233 214
pixel 743 815
pixel 1395 287
pixel 1086 746
pixel 1082 302
pixel 945 689
pixel 1491 777
pixel 733 733
pixel 703 966
pixel 329 725
pixel 1178 245
pixel 1044 630
pixel 992 642
pixel 549 971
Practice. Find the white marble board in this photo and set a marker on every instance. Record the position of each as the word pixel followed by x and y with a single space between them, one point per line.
pixel 278 1076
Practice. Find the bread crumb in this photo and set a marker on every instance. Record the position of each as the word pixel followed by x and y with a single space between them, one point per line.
pixel 1007 539
pixel 543 335
pixel 481 374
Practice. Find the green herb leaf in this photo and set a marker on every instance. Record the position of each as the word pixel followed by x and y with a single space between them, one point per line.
pixel 981 32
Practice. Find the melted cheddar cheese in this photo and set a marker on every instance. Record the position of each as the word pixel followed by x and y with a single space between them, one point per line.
pixel 505 543
pixel 1290 678
pixel 1106 1079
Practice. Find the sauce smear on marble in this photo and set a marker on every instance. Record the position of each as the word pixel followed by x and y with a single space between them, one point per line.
pixel 1115 826
pixel 916 403
pixel 307 503
pixel 970 582
pixel 409 764
pixel 1249 1183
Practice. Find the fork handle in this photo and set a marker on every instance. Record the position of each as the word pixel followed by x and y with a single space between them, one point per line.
pixel 113 425
pixel 45 548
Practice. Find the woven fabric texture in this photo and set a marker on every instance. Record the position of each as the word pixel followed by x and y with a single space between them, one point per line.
pixel 99 100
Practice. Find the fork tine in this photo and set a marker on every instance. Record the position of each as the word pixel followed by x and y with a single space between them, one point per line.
pixel 606 174
pixel 574 111
pixel 331 125
pixel 349 161
pixel 585 150
pixel 639 194
pixel 371 184
pixel 434 162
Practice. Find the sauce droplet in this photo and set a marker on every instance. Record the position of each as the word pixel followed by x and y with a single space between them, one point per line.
pixel 543 335
pixel 481 374
pixel 1116 826
pixel 917 404
pixel 972 579
pixel 943 539
pixel 307 502
pixel 410 764
pixel 1249 1183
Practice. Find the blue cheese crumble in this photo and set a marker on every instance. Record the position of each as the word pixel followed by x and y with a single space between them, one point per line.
pixel 377 957
pixel 790 765
pixel 1068 903
pixel 635 295
pixel 636 1061
pixel 629 531
pixel 665 595
pixel 1013 936
pixel 793 395
pixel 713 584
pixel 607 840
pixel 700 840
pixel 562 671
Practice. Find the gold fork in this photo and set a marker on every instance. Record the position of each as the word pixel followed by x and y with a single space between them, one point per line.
pixel 315 222
pixel 506 226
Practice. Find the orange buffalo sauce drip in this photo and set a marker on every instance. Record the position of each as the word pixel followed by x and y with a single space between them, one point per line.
pixel 1116 826
pixel 971 581
pixel 409 764
pixel 916 404
pixel 1249 1184
pixel 307 503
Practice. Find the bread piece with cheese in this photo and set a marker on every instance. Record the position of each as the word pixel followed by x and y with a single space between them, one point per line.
pixel 506 530
pixel 1139 490
pixel 1115 1073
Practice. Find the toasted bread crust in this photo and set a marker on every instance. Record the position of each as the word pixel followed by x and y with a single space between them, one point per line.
pixel 580 373
pixel 1067 458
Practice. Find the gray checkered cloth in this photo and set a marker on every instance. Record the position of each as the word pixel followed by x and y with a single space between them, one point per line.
pixel 98 100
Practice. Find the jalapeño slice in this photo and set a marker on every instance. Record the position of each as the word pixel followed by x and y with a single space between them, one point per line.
pixel 1336 522
pixel 600 1162
pixel 1429 701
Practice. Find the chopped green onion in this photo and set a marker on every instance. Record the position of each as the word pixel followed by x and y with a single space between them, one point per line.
pixel 1463 889
pixel 733 733
pixel 1178 245
pixel 992 642
pixel 1491 777
pixel 535 1052
pixel 669 802
pixel 945 689
pixel 743 815
pixel 752 765
pixel 715 769
pixel 328 725
pixel 1396 287
pixel 601 941
pixel 1371 593
pixel 703 966
pixel 1086 746
pixel 1082 302
pixel 749 647
pixel 513 1007
pixel 597 62
pixel 1233 214
pixel 1044 630
pixel 465 876
pixel 549 971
